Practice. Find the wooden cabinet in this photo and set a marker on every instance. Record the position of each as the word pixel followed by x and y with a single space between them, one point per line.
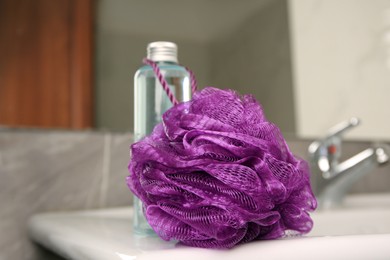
pixel 46 63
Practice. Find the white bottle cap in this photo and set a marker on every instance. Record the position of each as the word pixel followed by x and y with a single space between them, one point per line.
pixel 162 51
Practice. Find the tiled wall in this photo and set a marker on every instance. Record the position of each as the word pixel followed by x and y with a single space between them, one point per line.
pixel 42 171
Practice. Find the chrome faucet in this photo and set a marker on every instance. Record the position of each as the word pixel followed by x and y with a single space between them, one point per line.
pixel 333 179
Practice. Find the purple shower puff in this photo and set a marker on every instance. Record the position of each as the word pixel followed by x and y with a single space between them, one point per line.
pixel 216 174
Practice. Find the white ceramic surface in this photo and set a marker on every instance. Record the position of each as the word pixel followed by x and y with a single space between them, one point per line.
pixel 359 231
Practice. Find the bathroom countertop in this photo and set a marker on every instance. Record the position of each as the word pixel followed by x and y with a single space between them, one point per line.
pixel 107 234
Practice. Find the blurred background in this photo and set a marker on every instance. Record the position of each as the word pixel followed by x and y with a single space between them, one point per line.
pixel 68 65
pixel 311 64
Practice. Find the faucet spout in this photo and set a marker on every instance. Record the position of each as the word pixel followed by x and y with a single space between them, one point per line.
pixel 332 179
pixel 348 173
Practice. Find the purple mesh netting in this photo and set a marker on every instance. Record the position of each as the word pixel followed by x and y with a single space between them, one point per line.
pixel 216 174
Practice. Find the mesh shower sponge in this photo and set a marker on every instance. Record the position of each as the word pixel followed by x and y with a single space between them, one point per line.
pixel 215 173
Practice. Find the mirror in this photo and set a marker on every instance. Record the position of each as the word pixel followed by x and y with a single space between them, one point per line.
pixel 226 43
pixel 310 63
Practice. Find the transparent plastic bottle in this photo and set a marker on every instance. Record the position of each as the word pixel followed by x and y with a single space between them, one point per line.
pixel 151 101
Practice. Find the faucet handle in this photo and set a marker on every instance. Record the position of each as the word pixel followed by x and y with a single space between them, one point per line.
pixel 328 150
pixel 330 145
pixel 342 127
pixel 333 139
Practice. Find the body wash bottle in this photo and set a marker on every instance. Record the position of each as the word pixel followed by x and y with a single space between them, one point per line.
pixel 151 101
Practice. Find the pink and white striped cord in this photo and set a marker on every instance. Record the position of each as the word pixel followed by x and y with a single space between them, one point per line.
pixel 165 84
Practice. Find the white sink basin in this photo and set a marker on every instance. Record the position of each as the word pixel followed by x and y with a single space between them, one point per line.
pixel 359 215
pixel 359 231
pixel 351 222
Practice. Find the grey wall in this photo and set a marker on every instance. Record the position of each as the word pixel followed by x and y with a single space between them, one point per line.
pixel 256 60
pixel 42 171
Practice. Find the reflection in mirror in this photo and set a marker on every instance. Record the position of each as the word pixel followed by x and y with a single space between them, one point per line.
pixel 227 43
pixel 310 63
